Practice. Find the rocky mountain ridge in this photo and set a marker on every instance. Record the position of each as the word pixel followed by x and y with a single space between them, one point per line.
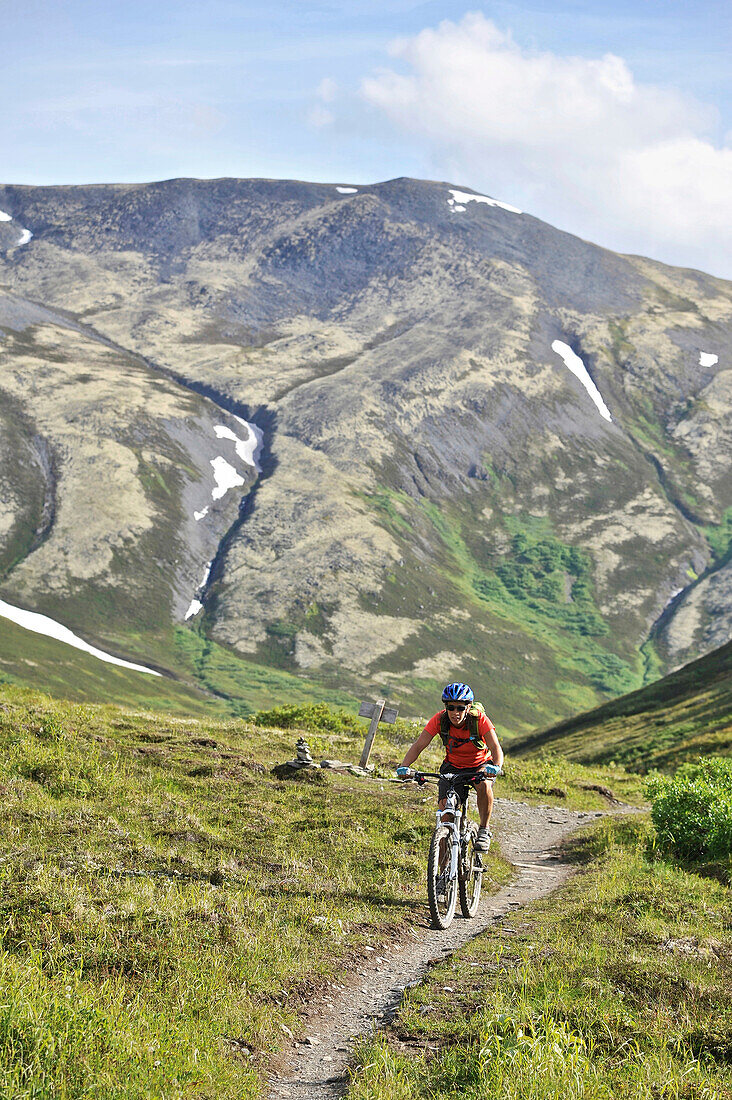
pixel 439 494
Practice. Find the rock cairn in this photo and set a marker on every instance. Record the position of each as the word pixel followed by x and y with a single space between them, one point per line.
pixel 304 759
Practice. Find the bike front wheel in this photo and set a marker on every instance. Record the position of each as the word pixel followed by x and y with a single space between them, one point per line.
pixel 471 875
pixel 441 889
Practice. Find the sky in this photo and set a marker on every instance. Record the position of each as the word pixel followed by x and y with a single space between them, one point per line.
pixel 611 120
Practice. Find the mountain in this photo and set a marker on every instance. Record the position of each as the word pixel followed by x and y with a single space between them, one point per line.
pixel 681 717
pixel 474 446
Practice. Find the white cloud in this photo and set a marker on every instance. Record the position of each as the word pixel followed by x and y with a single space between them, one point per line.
pixel 327 90
pixel 577 141
pixel 319 117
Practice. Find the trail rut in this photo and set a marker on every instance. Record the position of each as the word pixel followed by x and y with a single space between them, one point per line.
pixel 316 1068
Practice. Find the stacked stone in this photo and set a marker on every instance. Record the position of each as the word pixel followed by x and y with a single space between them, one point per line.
pixel 304 759
pixel 303 753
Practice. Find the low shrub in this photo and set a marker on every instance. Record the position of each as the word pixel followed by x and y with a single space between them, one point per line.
pixel 320 718
pixel 315 717
pixel 692 811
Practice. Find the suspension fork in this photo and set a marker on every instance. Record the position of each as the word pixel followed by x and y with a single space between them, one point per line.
pixel 454 827
pixel 455 845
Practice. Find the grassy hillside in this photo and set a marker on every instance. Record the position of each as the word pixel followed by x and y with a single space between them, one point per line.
pixel 35 661
pixel 683 716
pixel 202 678
pixel 168 902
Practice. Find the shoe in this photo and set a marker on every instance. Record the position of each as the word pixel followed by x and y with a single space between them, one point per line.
pixel 483 841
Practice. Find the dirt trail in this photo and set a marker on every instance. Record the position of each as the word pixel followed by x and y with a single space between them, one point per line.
pixel 316 1069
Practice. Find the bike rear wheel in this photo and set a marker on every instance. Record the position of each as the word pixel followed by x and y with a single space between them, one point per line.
pixel 471 875
pixel 441 889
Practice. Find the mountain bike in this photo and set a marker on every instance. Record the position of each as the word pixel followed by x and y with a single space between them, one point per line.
pixel 454 867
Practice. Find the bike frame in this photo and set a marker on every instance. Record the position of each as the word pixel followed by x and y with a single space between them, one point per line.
pixel 455 807
pixel 445 881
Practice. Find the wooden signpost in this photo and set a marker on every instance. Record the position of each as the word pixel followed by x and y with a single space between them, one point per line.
pixel 377 712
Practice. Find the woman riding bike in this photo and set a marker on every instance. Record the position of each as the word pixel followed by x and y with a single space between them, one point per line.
pixel 470 740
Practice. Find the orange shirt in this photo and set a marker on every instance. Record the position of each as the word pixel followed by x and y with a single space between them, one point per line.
pixel 464 754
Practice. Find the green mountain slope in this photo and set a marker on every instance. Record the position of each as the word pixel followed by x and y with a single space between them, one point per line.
pixel 681 717
pixel 202 679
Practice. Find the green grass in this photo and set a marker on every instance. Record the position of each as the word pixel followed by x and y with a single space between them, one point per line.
pixel 719 536
pixel 573 659
pixel 168 902
pixel 554 580
pixel 556 781
pixel 619 987
pixel 35 661
pixel 528 588
pixel 247 686
pixel 206 679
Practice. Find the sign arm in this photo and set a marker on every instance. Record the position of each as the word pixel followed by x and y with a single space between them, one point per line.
pixel 374 725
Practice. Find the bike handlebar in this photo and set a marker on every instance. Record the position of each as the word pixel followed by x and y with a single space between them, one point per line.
pixel 490 770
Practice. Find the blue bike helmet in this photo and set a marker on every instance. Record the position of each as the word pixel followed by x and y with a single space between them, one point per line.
pixel 457 693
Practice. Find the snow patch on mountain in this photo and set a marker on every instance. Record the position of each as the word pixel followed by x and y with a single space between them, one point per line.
pixel 41 624
pixel 708 359
pixel 196 605
pixel 225 476
pixel 247 449
pixel 25 234
pixel 253 443
pixel 676 592
pixel 347 190
pixel 460 198
pixel 579 370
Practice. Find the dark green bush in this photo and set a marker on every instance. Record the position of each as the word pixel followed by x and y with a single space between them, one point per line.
pixel 538 573
pixel 692 811
pixel 320 718
pixel 315 717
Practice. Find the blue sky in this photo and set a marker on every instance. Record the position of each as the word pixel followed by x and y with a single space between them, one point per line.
pixel 611 120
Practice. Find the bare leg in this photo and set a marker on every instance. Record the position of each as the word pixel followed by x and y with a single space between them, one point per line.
pixel 484 794
pixel 441 806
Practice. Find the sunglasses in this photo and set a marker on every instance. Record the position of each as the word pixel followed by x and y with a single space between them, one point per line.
pixel 457 706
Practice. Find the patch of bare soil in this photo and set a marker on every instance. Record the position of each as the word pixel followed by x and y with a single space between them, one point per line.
pixel 314 1068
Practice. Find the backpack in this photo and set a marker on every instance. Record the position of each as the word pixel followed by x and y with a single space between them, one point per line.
pixel 451 742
